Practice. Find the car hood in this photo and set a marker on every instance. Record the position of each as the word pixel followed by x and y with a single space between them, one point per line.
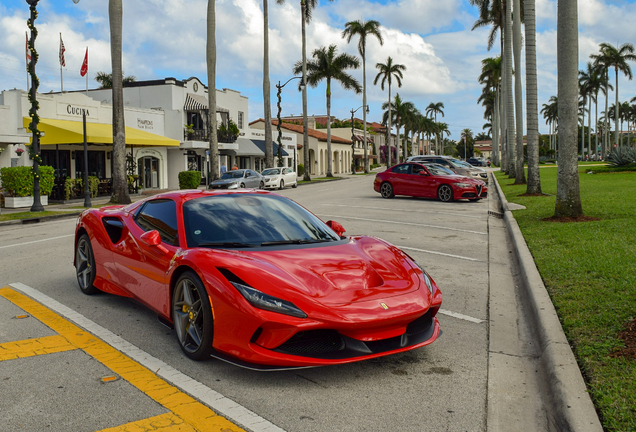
pixel 361 269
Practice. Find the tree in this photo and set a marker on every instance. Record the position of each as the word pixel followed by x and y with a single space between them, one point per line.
pixel 426 125
pixel 532 104
pixel 389 71
pixel 466 143
pixel 120 182
pixel 550 112
pixel 399 110
pixel 326 65
pixel 520 174
pixel 568 199
pixel 617 58
pixel 267 104
pixel 105 80
pixel 210 55
pixel 363 29
pixel 306 10
pixel 433 109
pixel 491 78
pixel 442 129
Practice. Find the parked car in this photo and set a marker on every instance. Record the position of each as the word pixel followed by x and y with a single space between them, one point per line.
pixel 429 181
pixel 278 178
pixel 455 165
pixel 478 162
pixel 253 278
pixel 239 179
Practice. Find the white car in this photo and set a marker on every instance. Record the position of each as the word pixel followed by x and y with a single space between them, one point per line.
pixel 278 178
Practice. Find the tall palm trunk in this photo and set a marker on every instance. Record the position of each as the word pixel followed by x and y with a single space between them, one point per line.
pixel 618 112
pixel 267 104
pixel 520 177
pixel 606 130
pixel 210 56
pixel 510 133
pixel 303 12
pixel 583 130
pixel 596 124
pixel 120 183
pixel 364 113
pixel 503 103
pixel 532 105
pixel 589 126
pixel 568 199
pixel 388 131
pixel 495 128
pixel 329 155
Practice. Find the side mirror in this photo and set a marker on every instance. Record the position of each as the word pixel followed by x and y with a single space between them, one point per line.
pixel 336 227
pixel 423 173
pixel 152 238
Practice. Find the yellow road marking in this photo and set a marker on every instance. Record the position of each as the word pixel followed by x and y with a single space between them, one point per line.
pixel 195 414
pixel 34 347
pixel 162 423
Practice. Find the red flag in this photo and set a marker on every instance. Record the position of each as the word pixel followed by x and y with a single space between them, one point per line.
pixel 84 69
pixel 28 51
pixel 62 49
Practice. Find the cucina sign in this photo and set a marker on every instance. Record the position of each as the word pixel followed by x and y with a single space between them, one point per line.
pixel 72 110
pixel 79 111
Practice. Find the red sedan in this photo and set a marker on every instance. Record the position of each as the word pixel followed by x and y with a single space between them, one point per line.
pixel 253 278
pixel 430 181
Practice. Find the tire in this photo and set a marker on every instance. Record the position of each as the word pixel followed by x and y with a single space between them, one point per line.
pixel 445 193
pixel 85 265
pixel 281 186
pixel 261 186
pixel 386 190
pixel 242 186
pixel 192 317
pixel 295 185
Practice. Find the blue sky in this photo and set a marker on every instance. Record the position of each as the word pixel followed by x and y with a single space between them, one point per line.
pixel 432 38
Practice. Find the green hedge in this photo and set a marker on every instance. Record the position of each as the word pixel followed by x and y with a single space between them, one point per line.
pixel 301 169
pixel 18 181
pixel 189 179
pixel 74 188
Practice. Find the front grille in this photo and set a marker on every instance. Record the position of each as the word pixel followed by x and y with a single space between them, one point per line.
pixel 223 186
pixel 469 195
pixel 419 325
pixel 313 342
pixel 478 188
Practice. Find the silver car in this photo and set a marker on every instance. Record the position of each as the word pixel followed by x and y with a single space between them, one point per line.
pixel 238 179
pixel 278 178
pixel 455 165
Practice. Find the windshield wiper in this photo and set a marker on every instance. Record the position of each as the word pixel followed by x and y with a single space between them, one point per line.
pixel 297 241
pixel 228 244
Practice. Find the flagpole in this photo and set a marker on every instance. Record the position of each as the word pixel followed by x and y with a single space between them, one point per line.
pixel 87 72
pixel 61 54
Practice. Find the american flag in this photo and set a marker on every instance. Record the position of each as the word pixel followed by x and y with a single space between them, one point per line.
pixel 62 49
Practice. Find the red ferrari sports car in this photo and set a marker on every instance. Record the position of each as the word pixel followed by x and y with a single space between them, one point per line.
pixel 255 279
pixel 428 180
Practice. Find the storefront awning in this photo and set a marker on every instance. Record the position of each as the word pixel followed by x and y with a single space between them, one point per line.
pixel 261 146
pixel 195 102
pixel 245 148
pixel 72 132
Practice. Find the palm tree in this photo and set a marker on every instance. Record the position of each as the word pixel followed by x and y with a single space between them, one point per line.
pixel 551 114
pixel 267 104
pixel 491 77
pixel 306 10
pixel 466 136
pixel 520 177
pixel 389 71
pixel 587 90
pixel 568 199
pixel 326 65
pixel 120 183
pixel 426 126
pixel 399 110
pixel 363 29
pixel 105 80
pixel 433 109
pixel 617 58
pixel 442 129
pixel 210 54
pixel 532 104
pixel 511 155
pixel 411 124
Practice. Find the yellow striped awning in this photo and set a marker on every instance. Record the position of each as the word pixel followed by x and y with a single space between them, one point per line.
pixel 72 132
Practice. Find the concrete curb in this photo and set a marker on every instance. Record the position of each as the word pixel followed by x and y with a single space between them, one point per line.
pixel 568 403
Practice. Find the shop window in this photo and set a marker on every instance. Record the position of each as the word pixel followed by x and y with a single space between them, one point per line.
pixel 240 120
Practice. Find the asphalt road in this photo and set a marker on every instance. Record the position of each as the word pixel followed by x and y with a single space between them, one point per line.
pixel 442 387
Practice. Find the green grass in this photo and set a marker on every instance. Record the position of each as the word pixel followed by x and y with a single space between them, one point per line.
pixel 319 179
pixel 589 269
pixel 29 215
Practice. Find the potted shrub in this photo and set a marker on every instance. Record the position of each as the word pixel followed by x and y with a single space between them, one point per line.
pixel 18 185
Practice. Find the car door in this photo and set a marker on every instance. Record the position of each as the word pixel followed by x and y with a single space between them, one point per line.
pixel 251 179
pixel 421 182
pixel 142 267
pixel 400 178
pixel 289 175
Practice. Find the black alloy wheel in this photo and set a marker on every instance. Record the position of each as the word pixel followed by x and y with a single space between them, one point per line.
pixel 242 186
pixel 295 185
pixel 281 186
pixel 85 265
pixel 192 316
pixel 386 190
pixel 445 193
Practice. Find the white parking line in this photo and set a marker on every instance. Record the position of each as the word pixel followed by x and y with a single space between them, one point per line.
pixel 36 241
pixel 219 403
pixel 407 211
pixel 403 223
pixel 439 253
pixel 461 316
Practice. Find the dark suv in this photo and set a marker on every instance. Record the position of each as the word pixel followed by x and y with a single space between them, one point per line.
pixel 478 162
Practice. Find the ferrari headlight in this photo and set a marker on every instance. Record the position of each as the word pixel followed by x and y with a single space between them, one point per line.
pixel 463 185
pixel 264 301
pixel 427 278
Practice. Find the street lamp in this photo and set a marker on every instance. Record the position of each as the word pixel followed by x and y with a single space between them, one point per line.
pixel 353 141
pixel 280 135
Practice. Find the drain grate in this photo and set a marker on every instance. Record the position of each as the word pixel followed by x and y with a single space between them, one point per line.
pixel 495 214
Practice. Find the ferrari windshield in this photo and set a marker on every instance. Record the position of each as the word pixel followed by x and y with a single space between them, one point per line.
pixel 249 220
pixel 232 174
pixel 271 171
